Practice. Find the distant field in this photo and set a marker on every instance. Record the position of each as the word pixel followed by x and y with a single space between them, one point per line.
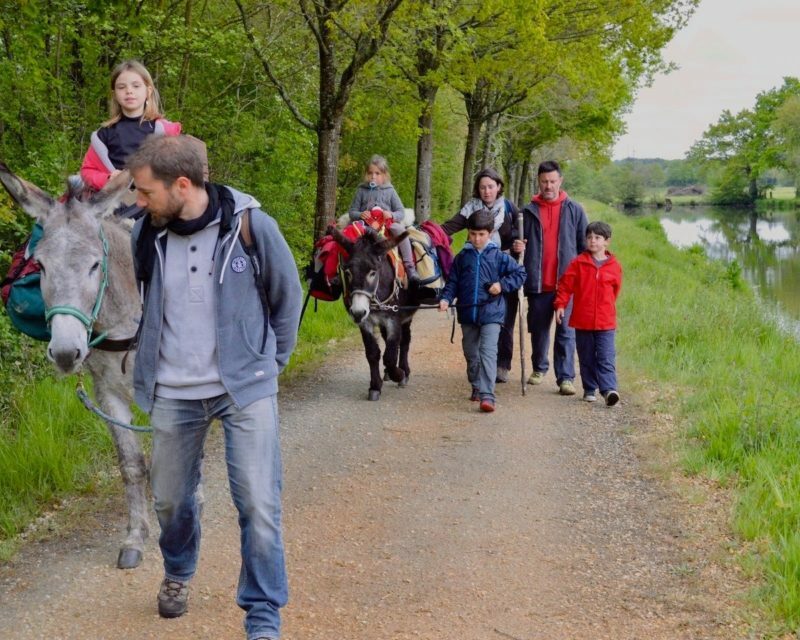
pixel 657 195
pixel 784 193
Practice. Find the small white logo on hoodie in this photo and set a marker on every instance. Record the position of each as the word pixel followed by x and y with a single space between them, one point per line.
pixel 239 264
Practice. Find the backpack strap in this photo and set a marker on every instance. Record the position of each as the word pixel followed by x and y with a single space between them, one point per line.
pixel 249 245
pixel 245 232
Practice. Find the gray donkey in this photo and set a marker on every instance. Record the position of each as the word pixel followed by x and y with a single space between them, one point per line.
pixel 83 245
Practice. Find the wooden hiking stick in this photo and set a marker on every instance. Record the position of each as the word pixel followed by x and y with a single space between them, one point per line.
pixel 521 295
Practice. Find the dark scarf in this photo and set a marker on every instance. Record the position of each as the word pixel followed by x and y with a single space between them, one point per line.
pixel 219 197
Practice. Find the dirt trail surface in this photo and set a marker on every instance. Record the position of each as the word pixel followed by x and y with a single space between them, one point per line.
pixel 419 517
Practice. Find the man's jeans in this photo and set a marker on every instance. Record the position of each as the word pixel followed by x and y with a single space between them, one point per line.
pixel 596 354
pixel 252 453
pixel 540 317
pixel 479 343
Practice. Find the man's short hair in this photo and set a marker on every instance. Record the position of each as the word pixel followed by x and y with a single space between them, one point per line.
pixel 599 229
pixel 548 166
pixel 482 220
pixel 169 158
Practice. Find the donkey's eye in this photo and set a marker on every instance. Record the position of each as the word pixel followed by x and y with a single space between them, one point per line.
pixel 371 275
pixel 95 267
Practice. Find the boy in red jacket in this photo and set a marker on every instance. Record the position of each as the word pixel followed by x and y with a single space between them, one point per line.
pixel 594 279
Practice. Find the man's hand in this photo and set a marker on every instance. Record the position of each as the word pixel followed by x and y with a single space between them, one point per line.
pixel 518 246
pixel 443 304
pixel 559 315
pixel 495 288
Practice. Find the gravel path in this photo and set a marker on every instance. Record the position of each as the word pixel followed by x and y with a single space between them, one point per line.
pixel 418 517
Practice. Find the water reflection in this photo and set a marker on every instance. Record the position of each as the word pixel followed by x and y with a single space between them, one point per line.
pixel 767 245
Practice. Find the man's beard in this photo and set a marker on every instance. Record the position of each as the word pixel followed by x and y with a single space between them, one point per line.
pixel 172 212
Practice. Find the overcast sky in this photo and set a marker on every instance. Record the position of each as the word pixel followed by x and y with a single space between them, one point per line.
pixel 729 52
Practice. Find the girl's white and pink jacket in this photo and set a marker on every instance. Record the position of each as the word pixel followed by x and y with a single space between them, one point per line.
pixel 97 166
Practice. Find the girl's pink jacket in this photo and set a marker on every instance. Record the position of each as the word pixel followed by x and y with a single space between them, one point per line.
pixel 97 167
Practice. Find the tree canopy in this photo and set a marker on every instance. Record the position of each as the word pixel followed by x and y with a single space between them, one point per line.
pixel 292 96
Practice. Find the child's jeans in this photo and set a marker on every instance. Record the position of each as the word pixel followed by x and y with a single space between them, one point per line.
pixel 479 343
pixel 596 355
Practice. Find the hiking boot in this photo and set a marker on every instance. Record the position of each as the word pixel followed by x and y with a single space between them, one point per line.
pixel 476 395
pixel 566 388
pixel 502 374
pixel 173 598
pixel 612 398
pixel 589 397
pixel 487 405
pixel 537 377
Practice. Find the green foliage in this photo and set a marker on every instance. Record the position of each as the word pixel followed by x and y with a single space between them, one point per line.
pixel 747 144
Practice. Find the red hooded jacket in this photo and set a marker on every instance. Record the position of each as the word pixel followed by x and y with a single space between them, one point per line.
pixel 595 290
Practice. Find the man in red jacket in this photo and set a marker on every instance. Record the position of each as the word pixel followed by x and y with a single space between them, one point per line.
pixel 593 280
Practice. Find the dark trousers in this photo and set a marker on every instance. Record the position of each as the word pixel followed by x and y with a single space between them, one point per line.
pixel 596 354
pixel 540 317
pixel 505 342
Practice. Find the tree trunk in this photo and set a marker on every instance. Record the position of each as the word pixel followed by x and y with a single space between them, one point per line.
pixel 487 155
pixel 328 139
pixel 422 191
pixel 470 154
pixel 522 185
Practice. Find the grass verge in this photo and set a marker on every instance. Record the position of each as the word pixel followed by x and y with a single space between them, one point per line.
pixel 692 326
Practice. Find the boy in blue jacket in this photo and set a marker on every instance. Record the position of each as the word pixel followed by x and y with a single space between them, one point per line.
pixel 480 274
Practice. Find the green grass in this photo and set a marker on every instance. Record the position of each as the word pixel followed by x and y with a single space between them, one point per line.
pixel 54 448
pixel 320 332
pixel 691 329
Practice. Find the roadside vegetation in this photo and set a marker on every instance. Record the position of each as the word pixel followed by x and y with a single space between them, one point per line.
pixel 692 334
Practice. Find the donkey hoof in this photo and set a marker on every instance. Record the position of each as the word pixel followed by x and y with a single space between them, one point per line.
pixel 129 558
pixel 403 382
pixel 386 377
pixel 374 394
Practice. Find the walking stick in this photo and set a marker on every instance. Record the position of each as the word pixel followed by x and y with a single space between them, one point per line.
pixel 521 295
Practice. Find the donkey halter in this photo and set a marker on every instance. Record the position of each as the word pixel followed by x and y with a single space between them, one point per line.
pixel 374 303
pixel 88 321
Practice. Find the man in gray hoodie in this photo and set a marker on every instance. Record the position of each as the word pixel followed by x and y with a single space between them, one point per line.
pixel 219 322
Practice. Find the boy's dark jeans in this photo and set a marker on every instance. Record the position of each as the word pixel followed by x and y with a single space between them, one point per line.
pixel 597 355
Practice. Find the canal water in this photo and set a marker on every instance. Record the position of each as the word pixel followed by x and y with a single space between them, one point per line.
pixel 766 245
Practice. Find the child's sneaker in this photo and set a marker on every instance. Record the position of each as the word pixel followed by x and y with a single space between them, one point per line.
pixel 476 395
pixel 612 398
pixel 487 405
pixel 589 396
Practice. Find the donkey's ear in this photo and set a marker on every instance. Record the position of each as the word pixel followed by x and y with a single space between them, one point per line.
pixel 345 242
pixel 117 191
pixel 391 242
pixel 31 198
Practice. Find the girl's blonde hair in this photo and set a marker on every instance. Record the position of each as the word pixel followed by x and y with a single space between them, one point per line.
pixel 152 106
pixel 382 165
